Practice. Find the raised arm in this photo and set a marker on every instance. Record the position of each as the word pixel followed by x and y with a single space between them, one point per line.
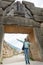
pixel 20 40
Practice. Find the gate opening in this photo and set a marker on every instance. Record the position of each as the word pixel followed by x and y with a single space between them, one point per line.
pixel 12 48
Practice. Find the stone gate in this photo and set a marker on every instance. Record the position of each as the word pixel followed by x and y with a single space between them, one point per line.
pixel 16 17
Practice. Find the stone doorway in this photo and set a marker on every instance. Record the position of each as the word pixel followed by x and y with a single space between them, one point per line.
pixel 20 18
pixel 35 49
pixel 26 30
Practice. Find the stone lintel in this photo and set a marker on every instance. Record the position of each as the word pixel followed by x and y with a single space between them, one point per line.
pixel 20 21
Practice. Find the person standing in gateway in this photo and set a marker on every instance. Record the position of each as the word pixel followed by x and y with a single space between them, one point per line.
pixel 26 44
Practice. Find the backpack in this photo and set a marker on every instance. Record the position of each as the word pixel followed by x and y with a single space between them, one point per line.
pixel 23 47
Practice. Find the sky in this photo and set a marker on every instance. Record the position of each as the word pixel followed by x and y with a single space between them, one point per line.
pixel 12 39
pixel 37 3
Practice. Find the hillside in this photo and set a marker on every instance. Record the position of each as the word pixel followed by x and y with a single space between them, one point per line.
pixel 8 50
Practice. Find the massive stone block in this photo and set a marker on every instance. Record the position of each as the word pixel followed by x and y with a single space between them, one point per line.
pixel 38 18
pixel 26 15
pixel 41 25
pixel 39 37
pixel 34 46
pixel 8 0
pixel 28 4
pixel 37 11
pixel 20 21
pixel 1 12
pixel 16 9
pixel 1 42
pixel 5 4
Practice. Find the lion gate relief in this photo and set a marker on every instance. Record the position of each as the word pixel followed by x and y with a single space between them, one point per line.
pixel 17 17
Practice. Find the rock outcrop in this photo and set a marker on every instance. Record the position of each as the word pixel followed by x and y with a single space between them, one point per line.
pixel 8 50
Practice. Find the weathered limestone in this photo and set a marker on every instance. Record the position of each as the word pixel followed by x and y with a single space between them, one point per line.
pixel 25 18
pixel 0 3
pixel 38 18
pixel 1 42
pixel 39 38
pixel 25 9
pixel 20 21
pixel 4 4
pixel 1 34
pixel 28 4
pixel 16 9
pixel 34 47
pixel 8 0
pixel 1 12
pixel 41 25
pixel 37 13
pixel 10 9
pixel 17 29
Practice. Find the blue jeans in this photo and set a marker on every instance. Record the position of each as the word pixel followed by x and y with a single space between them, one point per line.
pixel 26 52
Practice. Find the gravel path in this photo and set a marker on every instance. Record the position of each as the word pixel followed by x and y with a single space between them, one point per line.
pixel 19 60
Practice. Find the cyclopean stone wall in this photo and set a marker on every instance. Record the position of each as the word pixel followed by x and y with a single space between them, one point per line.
pixel 23 14
pixel 39 38
pixel 1 42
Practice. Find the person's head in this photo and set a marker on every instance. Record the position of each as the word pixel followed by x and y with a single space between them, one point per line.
pixel 26 39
